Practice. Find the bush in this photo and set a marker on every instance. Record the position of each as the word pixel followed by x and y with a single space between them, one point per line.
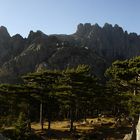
pixel 21 130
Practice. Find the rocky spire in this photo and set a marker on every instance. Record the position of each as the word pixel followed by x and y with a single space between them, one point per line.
pixel 83 29
pixel 4 33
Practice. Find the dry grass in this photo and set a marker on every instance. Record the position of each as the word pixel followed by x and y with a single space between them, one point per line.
pixel 94 127
pixel 81 125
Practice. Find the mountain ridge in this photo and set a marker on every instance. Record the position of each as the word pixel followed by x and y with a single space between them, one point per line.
pixel 90 44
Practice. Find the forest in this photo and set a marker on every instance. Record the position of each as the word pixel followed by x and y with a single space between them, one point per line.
pixel 74 94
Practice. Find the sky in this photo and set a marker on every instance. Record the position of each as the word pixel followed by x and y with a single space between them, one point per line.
pixel 63 16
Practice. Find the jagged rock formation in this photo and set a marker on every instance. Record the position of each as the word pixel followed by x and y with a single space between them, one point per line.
pixel 109 42
pixel 91 44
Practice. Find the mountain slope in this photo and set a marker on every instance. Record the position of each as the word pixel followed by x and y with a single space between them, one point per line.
pixel 90 44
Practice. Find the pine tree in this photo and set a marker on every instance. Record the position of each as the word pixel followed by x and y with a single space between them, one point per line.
pixel 45 81
pixel 76 88
pixel 126 74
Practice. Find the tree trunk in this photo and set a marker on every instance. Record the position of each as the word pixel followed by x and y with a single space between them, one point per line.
pixel 85 115
pixel 28 114
pixel 71 125
pixel 49 118
pixel 28 117
pixel 135 91
pixel 71 119
pixel 135 119
pixel 134 129
pixel 41 115
pixel 49 124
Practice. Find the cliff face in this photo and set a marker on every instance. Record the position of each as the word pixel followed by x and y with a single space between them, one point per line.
pixel 91 44
pixel 109 42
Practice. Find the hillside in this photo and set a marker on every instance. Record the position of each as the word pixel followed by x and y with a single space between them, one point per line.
pixel 90 44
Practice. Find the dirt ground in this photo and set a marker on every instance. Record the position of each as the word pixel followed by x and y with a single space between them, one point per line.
pixel 92 128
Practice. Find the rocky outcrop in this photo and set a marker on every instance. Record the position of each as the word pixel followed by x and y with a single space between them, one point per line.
pixel 109 42
pixel 4 33
pixel 5 50
pixel 91 44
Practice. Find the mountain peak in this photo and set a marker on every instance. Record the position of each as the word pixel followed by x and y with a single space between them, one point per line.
pixel 3 32
pixel 3 28
pixel 83 29
pixel 36 35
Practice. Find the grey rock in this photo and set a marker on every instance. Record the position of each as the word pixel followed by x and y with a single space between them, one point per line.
pixel 90 44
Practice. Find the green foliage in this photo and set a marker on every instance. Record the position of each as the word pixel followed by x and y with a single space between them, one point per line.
pixel 124 70
pixel 21 130
pixel 125 82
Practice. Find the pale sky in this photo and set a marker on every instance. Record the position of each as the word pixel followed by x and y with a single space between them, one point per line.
pixel 63 16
